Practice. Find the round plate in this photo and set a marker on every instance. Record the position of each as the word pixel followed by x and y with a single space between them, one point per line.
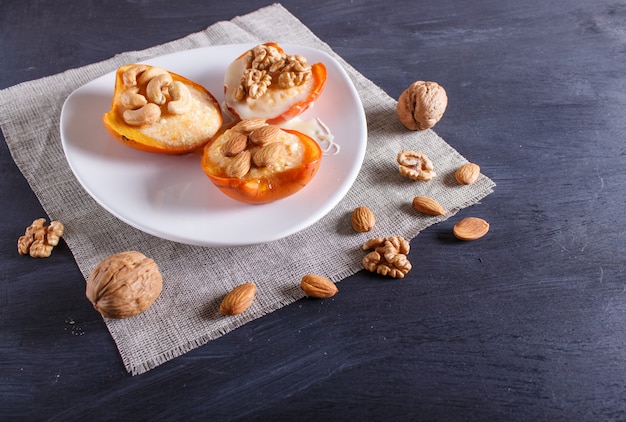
pixel 171 197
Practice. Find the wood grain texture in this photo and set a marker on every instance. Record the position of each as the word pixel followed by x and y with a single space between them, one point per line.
pixel 526 323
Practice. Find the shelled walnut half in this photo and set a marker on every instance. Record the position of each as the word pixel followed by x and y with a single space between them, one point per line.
pixel 39 240
pixel 416 165
pixel 388 257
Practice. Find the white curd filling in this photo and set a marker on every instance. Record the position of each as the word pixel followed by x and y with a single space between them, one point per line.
pixel 273 103
pixel 199 123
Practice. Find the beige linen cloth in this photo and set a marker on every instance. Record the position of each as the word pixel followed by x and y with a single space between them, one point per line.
pixel 186 315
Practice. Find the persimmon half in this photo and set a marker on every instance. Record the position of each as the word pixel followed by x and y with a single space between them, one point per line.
pixel 266 82
pixel 260 169
pixel 159 111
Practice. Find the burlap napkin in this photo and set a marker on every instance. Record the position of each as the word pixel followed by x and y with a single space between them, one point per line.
pixel 186 314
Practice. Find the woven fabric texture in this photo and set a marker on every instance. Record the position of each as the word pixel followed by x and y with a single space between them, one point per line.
pixel 186 315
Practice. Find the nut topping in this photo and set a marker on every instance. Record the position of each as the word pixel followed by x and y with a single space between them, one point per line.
pixel 132 99
pixel 246 126
pixel 294 71
pixel 265 134
pixel 252 142
pixel 266 65
pixel 130 75
pixel 151 72
pixel 267 154
pixel 150 113
pixel 239 165
pixel 234 145
pixel 181 100
pixel 262 57
pixel 156 87
pixel 254 84
pixel 147 89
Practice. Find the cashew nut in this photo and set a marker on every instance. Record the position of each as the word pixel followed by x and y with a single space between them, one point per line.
pixel 156 86
pixel 150 73
pixel 180 98
pixel 131 99
pixel 130 75
pixel 150 113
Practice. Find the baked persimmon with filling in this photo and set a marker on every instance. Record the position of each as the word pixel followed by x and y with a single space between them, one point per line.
pixel 268 83
pixel 255 162
pixel 159 111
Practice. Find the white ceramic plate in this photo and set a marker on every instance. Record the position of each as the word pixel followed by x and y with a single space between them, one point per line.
pixel 170 196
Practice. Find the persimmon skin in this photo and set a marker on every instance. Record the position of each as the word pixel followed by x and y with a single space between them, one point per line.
pixel 132 137
pixel 319 74
pixel 268 188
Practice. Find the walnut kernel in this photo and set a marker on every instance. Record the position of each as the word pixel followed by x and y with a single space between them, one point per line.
pixel 265 65
pixel 415 165
pixel 39 240
pixel 388 257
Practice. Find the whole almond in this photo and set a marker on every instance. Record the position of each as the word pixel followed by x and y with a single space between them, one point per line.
pixel 265 134
pixel 238 300
pixel 470 228
pixel 317 286
pixel 427 205
pixel 234 145
pixel 239 165
pixel 363 219
pixel 467 173
pixel 267 154
pixel 248 125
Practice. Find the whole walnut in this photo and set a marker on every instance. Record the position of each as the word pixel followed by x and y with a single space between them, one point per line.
pixel 422 105
pixel 124 284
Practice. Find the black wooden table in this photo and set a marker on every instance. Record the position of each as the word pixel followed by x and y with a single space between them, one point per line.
pixel 527 323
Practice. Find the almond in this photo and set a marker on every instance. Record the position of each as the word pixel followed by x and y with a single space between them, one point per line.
pixel 248 125
pixel 265 134
pixel 267 154
pixel 317 286
pixel 239 165
pixel 427 205
pixel 467 173
pixel 470 228
pixel 238 300
pixel 363 219
pixel 234 145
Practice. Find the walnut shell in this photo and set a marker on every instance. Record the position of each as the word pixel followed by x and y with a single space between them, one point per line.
pixel 422 105
pixel 124 285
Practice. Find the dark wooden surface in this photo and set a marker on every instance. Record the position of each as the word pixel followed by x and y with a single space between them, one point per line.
pixel 528 323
